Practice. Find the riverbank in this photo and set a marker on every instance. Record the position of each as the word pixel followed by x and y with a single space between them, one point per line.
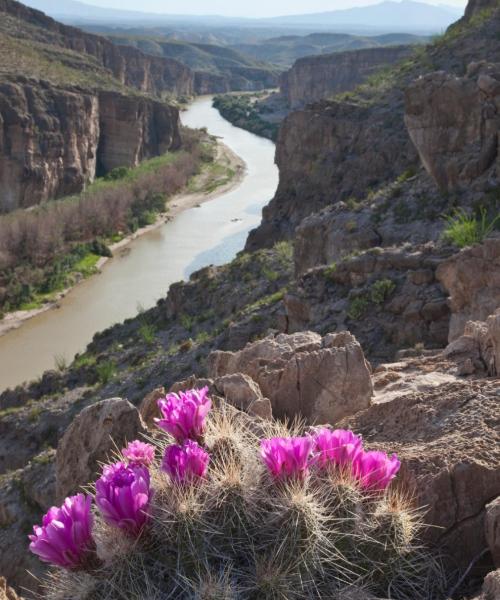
pixel 225 174
pixel 260 113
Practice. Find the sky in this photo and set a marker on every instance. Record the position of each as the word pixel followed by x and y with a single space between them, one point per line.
pixel 245 8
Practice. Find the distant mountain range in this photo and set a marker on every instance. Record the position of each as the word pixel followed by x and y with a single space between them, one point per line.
pixel 386 17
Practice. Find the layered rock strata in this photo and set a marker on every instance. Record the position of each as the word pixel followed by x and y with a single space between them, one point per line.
pixel 315 78
pixel 54 141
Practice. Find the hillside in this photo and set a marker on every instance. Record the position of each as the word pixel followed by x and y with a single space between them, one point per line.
pixel 216 68
pixel 285 50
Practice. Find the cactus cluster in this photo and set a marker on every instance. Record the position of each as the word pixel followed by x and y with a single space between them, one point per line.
pixel 238 531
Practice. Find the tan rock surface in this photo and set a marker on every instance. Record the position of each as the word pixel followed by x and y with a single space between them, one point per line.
pixel 472 279
pixel 148 408
pixel 322 379
pixel 97 432
pixel 6 592
pixel 448 438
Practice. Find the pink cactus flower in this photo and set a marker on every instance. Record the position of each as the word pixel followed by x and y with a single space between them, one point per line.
pixel 139 453
pixel 375 470
pixel 287 458
pixel 65 537
pixel 339 447
pixel 123 495
pixel 184 414
pixel 186 463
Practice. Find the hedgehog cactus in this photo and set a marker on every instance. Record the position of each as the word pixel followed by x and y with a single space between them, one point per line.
pixel 269 516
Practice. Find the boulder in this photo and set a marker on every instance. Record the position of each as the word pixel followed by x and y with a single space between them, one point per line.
pixel 148 408
pixel 243 393
pixel 478 349
pixel 491 587
pixel 472 280
pixel 6 592
pixel 97 432
pixel 321 379
pixel 492 530
pixel 238 390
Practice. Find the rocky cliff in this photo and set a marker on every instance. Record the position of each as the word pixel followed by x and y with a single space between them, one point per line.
pixel 53 141
pixel 315 78
pixel 349 147
pixel 74 105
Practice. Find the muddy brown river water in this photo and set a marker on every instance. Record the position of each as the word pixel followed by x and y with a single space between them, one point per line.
pixel 210 234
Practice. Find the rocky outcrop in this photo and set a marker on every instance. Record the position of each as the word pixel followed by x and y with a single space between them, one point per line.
pixel 97 432
pixel 472 279
pixel 323 380
pixel 454 123
pixel 53 141
pixel 388 298
pixel 443 429
pixel 478 349
pixel 315 78
pixel 327 153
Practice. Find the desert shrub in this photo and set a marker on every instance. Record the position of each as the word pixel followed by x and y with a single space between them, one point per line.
pixel 105 371
pixel 40 247
pixel 200 513
pixel 147 332
pixel 358 307
pixel 381 290
pixel 464 229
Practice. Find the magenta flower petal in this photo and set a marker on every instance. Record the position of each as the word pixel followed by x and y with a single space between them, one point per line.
pixel 186 463
pixel 339 447
pixel 375 470
pixel 184 414
pixel 123 495
pixel 65 537
pixel 287 458
pixel 139 453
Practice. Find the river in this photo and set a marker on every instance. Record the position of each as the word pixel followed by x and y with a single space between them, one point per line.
pixel 210 234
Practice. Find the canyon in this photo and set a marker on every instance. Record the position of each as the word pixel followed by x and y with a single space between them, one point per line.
pixel 124 101
pixel 355 304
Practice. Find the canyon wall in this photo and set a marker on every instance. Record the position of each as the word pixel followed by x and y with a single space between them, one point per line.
pixel 315 78
pixel 330 152
pixel 131 67
pixel 52 141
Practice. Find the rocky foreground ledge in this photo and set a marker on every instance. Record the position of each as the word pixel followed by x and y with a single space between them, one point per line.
pixel 440 412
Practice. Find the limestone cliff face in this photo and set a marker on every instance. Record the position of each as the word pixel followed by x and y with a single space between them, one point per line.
pixel 315 78
pixel 454 123
pixel 48 142
pixel 131 67
pixel 327 153
pixel 133 129
pixel 53 141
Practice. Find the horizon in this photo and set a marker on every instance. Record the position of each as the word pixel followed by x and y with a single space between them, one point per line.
pixel 258 9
